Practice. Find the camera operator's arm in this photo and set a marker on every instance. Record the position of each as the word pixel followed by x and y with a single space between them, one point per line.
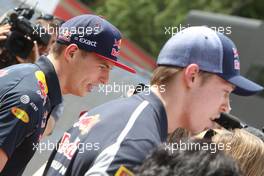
pixel 4 31
pixel 49 127
pixel 54 117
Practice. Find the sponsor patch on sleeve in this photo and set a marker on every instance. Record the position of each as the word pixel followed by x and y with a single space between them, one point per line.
pixel 123 171
pixel 20 114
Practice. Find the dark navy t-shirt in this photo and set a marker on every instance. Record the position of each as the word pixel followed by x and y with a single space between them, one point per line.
pixel 28 92
pixel 120 132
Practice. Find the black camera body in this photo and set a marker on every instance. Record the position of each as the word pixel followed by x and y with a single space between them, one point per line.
pixel 23 32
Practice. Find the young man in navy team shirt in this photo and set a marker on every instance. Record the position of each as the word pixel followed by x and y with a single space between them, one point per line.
pixel 28 92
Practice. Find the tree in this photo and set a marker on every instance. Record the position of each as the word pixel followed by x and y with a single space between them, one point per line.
pixel 145 21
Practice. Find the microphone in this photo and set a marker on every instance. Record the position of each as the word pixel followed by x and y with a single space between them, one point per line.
pixel 229 121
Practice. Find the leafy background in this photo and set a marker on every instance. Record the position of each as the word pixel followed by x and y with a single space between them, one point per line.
pixel 143 21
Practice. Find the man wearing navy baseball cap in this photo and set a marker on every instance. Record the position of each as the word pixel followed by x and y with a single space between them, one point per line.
pixel 91 47
pixel 197 71
pixel 207 70
pixel 87 48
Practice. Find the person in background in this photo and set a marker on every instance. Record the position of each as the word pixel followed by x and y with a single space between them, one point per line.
pixel 192 161
pixel 243 147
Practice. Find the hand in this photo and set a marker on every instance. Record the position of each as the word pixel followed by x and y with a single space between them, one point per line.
pixel 4 30
pixel 49 127
pixel 3 160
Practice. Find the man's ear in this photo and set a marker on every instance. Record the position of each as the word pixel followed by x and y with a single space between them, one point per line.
pixel 70 51
pixel 191 73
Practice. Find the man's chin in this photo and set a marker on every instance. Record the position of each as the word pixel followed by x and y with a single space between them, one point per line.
pixel 84 94
pixel 198 131
pixel 80 93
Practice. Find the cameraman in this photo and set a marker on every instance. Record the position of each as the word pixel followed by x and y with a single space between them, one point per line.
pixel 7 58
pixel 51 24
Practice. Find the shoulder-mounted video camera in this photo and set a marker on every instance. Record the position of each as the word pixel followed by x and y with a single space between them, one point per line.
pixel 23 32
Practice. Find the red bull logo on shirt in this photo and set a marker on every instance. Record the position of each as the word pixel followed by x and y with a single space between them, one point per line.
pixel 66 147
pixel 42 85
pixel 86 122
pixel 42 82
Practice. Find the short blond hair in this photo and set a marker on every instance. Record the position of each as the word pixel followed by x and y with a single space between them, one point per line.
pixel 246 149
pixel 57 49
pixel 162 75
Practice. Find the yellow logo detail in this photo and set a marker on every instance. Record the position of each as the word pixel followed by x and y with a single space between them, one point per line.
pixel 123 171
pixel 42 81
pixel 20 114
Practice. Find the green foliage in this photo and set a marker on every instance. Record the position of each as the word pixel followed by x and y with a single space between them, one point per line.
pixel 144 21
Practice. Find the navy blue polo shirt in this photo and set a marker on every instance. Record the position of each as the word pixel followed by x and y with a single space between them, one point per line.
pixel 28 92
pixel 120 132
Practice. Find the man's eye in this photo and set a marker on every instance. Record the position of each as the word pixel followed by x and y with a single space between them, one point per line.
pixel 105 67
pixel 102 67
pixel 227 95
